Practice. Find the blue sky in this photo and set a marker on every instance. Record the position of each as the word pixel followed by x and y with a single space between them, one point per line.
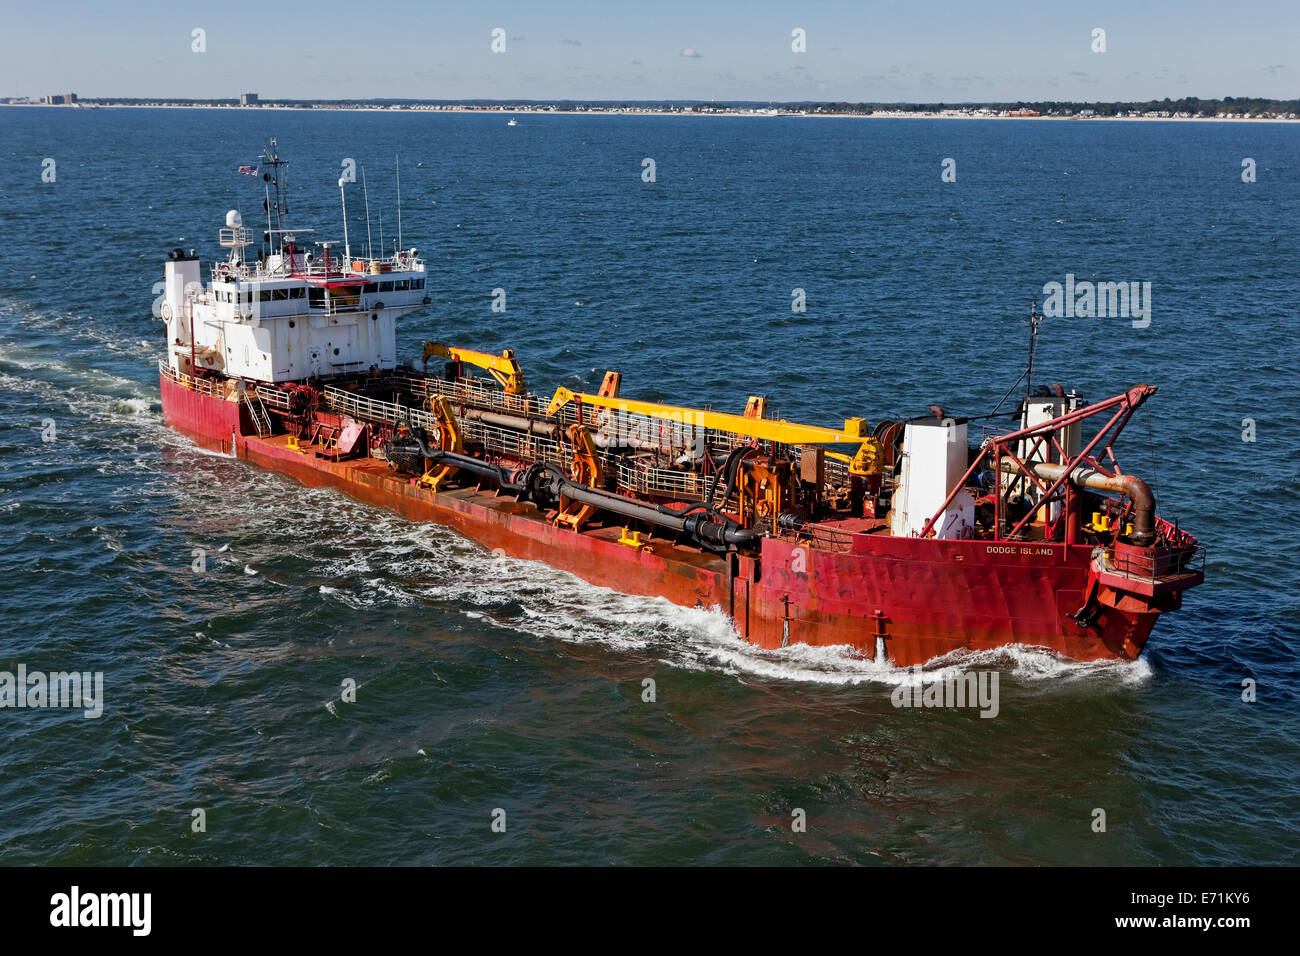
pixel 910 51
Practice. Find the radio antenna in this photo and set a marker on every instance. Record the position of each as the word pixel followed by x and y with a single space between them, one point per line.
pixel 1035 319
pixel 275 177
pixel 347 248
pixel 366 193
pixel 398 163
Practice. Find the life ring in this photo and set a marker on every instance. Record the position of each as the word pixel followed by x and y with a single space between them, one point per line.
pixel 167 311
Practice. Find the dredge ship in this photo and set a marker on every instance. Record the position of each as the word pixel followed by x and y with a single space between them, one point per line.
pixel 907 539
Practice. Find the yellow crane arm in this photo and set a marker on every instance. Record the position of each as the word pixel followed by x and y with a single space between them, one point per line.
pixel 501 367
pixel 854 432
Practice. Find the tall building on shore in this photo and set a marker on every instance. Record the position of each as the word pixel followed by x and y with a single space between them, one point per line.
pixel 247 99
pixel 60 99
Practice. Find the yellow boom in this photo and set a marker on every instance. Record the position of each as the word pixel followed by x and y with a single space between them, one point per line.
pixel 501 367
pixel 854 432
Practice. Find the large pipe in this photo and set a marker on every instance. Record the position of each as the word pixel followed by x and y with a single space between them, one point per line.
pixel 542 481
pixel 485 469
pixel 1144 503
pixel 701 526
pixel 546 429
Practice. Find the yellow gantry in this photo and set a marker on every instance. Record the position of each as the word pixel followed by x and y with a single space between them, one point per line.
pixel 501 367
pixel 787 433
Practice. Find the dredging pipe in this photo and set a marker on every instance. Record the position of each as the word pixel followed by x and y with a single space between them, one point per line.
pixel 544 480
pixel 544 483
pixel 1083 476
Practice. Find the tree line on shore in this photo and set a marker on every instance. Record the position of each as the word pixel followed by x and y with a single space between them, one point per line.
pixel 1188 105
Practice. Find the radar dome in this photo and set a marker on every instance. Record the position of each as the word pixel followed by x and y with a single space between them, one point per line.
pixel 233 219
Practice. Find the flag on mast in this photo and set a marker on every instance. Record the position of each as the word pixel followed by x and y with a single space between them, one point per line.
pixel 248 170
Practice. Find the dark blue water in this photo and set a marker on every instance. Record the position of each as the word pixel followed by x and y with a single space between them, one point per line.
pixel 489 683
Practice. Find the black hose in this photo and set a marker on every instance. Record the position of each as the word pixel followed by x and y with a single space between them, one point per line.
pixel 477 467
pixel 546 482
pixel 729 468
pixel 436 456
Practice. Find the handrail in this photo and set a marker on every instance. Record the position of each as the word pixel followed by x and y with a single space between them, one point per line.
pixel 361 406
pixel 822 538
pixel 276 397
pixel 647 479
pixel 1156 564
pixel 316 269
pixel 475 392
pixel 201 385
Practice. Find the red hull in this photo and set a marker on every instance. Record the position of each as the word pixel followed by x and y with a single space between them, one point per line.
pixel 921 598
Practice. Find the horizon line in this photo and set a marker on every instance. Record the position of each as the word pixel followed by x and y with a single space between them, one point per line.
pixel 508 101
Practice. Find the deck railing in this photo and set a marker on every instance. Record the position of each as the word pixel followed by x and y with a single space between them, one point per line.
pixel 1159 563
pixel 823 539
pixel 641 478
pixel 474 392
pixel 275 397
pixel 339 268
pixel 203 386
pixel 370 409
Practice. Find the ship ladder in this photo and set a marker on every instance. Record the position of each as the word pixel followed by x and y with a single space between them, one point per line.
pixel 257 412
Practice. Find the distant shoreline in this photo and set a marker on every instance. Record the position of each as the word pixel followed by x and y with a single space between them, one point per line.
pixel 733 113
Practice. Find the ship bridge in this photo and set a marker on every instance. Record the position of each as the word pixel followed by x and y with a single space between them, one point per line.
pixel 291 314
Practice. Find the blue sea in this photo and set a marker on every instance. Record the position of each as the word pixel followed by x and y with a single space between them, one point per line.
pixel 489 689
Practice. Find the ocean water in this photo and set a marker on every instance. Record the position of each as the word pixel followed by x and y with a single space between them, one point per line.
pixel 488 684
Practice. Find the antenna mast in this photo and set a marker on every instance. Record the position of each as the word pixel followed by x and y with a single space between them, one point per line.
pixel 366 192
pixel 398 163
pixel 347 248
pixel 271 159
pixel 1035 319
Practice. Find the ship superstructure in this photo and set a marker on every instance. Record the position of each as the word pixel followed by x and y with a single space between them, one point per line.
pixel 284 309
pixel 907 540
